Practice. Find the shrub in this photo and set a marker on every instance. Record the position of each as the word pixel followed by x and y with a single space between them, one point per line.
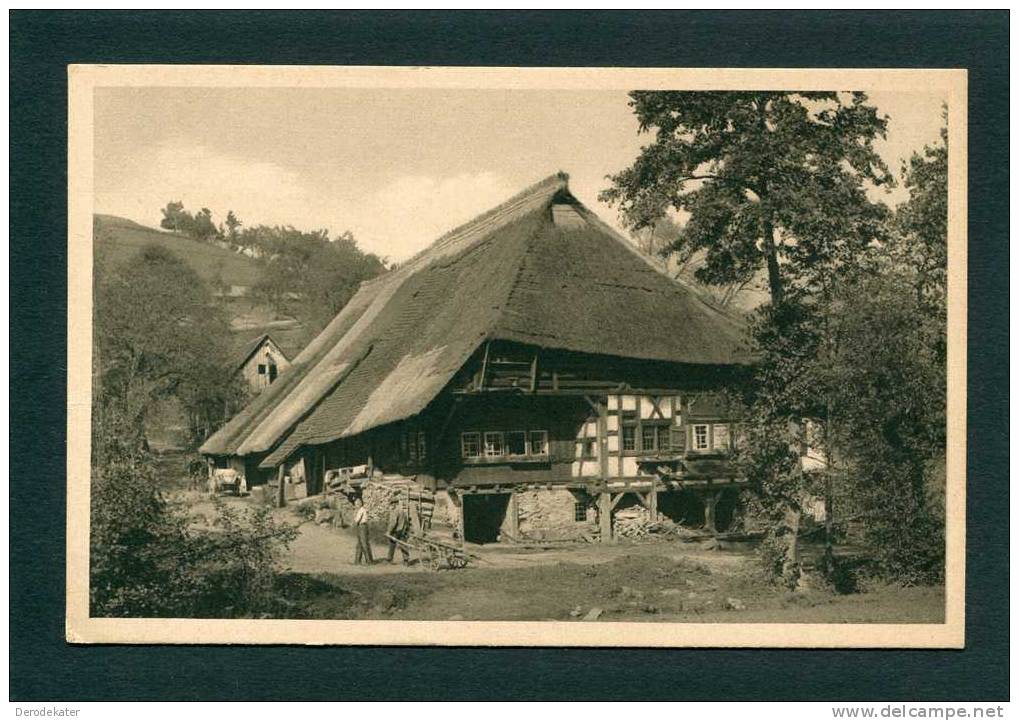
pixel 146 560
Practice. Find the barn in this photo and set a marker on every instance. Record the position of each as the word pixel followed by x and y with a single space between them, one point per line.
pixel 531 367
pixel 260 362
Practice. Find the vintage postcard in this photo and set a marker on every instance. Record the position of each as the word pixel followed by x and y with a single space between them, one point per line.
pixel 516 357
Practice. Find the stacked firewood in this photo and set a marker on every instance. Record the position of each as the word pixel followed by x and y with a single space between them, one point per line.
pixel 636 523
pixel 377 498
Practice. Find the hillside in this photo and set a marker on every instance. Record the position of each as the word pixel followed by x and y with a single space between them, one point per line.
pixel 116 239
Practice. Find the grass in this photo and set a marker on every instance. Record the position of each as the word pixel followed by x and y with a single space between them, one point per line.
pixel 117 239
pixel 631 588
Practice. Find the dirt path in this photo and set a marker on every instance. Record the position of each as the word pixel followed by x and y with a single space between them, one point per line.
pixel 651 581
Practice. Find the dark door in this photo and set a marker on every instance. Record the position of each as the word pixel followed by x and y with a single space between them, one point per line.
pixel 484 514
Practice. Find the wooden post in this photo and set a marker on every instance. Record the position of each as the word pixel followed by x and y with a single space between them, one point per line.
pixel 281 492
pixel 514 519
pixel 710 501
pixel 484 368
pixel 604 499
pixel 462 517
pixel 653 500
pixel 605 515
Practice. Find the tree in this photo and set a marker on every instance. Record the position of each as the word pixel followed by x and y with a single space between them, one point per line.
pixel 147 558
pixel 158 334
pixel 920 238
pixel 232 224
pixel 308 275
pixel 772 179
pixel 772 182
pixel 202 227
pixel 864 357
pixel 175 218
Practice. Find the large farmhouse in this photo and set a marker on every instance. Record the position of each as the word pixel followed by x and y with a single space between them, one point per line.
pixel 530 367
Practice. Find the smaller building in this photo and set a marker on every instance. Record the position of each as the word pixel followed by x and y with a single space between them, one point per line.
pixel 261 362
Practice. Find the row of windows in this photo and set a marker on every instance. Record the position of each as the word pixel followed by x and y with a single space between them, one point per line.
pixel 662 437
pixel 500 444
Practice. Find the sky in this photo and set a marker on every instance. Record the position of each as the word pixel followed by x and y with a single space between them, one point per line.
pixel 396 167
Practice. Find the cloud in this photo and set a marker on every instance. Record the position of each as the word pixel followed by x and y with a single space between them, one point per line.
pixel 395 219
pixel 257 191
pixel 410 211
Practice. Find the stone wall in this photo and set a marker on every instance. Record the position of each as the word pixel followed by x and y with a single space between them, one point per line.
pixel 549 514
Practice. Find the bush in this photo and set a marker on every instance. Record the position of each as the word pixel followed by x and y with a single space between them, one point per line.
pixel 146 560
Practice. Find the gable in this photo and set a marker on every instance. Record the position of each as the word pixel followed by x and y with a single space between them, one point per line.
pixel 539 269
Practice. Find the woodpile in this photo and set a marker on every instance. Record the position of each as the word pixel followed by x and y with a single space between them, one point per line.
pixel 636 523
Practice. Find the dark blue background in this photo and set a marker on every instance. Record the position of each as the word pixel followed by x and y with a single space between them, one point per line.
pixel 42 44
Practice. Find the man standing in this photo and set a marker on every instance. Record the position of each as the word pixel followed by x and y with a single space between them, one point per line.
pixel 364 547
pixel 398 527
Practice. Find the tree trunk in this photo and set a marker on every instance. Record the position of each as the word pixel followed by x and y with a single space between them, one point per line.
pixel 829 543
pixel 281 490
pixel 791 562
pixel 771 255
pixel 829 496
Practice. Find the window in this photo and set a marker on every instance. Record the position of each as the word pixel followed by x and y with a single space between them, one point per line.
pixel 589 448
pixel 273 372
pixel 700 437
pixel 477 445
pixel 493 444
pixel 629 438
pixel 470 444
pixel 664 442
pixel 516 443
pixel 648 436
pixel 539 443
pixel 261 369
pixel 720 437
pixel 580 511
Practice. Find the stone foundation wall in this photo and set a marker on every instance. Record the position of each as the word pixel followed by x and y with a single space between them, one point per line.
pixel 549 514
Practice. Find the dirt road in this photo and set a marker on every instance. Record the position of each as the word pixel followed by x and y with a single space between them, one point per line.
pixel 651 581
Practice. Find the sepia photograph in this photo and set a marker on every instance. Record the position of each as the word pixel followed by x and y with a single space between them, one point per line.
pixel 500 356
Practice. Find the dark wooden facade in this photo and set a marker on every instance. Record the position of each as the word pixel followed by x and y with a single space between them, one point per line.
pixel 519 417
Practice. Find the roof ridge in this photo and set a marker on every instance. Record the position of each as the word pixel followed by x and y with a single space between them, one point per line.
pixel 549 185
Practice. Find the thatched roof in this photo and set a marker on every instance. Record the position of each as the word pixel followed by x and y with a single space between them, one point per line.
pixel 539 269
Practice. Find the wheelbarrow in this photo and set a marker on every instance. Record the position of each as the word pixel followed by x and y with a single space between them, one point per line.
pixel 438 554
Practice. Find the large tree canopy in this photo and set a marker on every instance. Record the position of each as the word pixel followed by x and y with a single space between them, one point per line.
pixel 772 179
pixel 158 334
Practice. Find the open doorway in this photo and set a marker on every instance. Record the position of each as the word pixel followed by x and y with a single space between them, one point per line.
pixel 484 514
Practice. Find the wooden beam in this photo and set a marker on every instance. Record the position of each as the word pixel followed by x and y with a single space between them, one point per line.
pixel 484 366
pixel 514 518
pixel 710 501
pixel 281 492
pixel 446 421
pixel 617 499
pixel 603 441
pixel 605 516
pixel 534 373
